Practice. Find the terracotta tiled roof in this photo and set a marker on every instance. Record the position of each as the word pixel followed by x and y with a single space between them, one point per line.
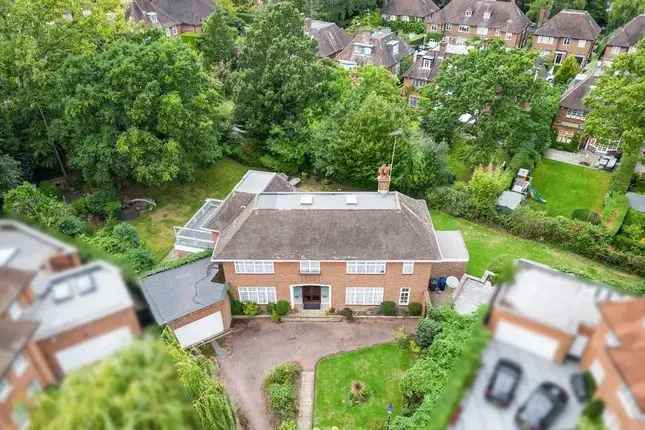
pixel 629 362
pixel 416 8
pixel 576 24
pixel 629 34
pixel 503 15
pixel 626 320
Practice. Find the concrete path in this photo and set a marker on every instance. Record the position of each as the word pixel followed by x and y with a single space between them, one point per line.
pixel 571 157
pixel 256 346
pixel 306 410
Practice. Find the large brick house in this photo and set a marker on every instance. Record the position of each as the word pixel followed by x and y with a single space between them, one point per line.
pixel 625 38
pixel 464 20
pixel 569 32
pixel 380 47
pixel 56 315
pixel 408 10
pixel 425 66
pixel 172 16
pixel 558 316
pixel 330 37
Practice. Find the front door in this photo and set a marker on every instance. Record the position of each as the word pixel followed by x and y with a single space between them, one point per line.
pixel 311 297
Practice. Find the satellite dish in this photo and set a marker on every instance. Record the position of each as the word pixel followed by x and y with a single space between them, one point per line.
pixel 452 282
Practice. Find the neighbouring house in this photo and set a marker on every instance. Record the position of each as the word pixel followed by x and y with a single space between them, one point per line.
pixel 191 299
pixel 570 119
pixel 625 38
pixel 380 47
pixel 408 10
pixel 330 37
pixel 569 32
pixel 425 65
pixel 172 16
pixel 56 315
pixel 558 316
pixel 464 20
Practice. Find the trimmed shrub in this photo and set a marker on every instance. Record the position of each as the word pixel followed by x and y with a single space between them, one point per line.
pixel 237 307
pixel 586 215
pixel 387 308
pixel 622 178
pixel 72 225
pixel 104 204
pixel 282 307
pixel 415 309
pixel 251 309
pixel 284 373
pixel 427 330
pixel 275 316
pixel 614 212
pixel 348 313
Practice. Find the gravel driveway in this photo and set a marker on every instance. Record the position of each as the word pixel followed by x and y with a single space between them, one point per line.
pixel 256 346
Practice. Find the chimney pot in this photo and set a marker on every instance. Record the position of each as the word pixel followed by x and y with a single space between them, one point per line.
pixel 383 178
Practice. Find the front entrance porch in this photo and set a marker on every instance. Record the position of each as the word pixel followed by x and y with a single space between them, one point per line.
pixel 310 297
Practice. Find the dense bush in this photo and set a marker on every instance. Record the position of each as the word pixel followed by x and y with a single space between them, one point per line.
pixel 623 176
pixel 415 309
pixel 594 409
pixel 614 212
pixel 280 389
pixel 251 309
pixel 103 204
pixel 427 330
pixel 72 225
pixel 282 307
pixel 123 243
pixel 275 316
pixel 406 26
pixel 586 215
pixel 387 308
pixel 434 385
pixel 348 313
pixel 237 307
pixel 33 205
pixel 288 425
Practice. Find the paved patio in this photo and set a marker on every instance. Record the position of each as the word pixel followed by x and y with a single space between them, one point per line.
pixel 574 158
pixel 478 414
pixel 256 346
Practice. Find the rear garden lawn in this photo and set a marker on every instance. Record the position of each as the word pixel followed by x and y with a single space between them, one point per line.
pixel 380 367
pixel 177 202
pixel 566 187
pixel 488 246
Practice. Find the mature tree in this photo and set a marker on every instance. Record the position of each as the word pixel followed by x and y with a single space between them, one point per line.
pixel 362 130
pixel 143 110
pixel 624 10
pixel 10 173
pixel 596 8
pixel 492 98
pixel 567 71
pixel 338 11
pixel 217 42
pixel 279 77
pixel 35 39
pixel 617 103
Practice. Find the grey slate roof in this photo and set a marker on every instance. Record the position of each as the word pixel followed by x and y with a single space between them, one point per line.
pixel 504 15
pixel 452 245
pixel 382 53
pixel 171 12
pixel 629 34
pixel 14 336
pixel 576 24
pixel 174 293
pixel 400 230
pixel 416 8
pixel 330 37
pixel 12 282
pixel 573 98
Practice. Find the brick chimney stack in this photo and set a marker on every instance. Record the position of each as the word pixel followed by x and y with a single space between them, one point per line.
pixel 384 178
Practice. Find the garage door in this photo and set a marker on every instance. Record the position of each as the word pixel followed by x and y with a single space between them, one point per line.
pixel 200 330
pixel 526 339
pixel 93 350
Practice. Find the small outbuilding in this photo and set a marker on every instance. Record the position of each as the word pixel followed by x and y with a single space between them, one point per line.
pixel 510 200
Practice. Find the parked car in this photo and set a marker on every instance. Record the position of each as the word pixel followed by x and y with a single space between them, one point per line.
pixel 580 387
pixel 503 383
pixel 542 407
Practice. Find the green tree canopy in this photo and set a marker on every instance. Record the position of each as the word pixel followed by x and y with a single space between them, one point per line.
pixel 217 42
pixel 567 71
pixel 143 110
pixel 338 11
pixel 10 173
pixel 623 11
pixel 490 96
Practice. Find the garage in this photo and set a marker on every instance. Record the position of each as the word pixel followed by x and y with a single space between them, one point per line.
pixel 93 350
pixel 528 340
pixel 200 330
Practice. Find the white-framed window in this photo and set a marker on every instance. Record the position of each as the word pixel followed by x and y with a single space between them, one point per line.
pixel 559 57
pixel 509 35
pixel 405 18
pixel 464 29
pixel 20 364
pixel 616 50
pixel 417 83
pixel 435 27
pixel 404 296
pixel 254 266
pixel 259 295
pixel 563 137
pixel 33 388
pixel 366 267
pixel 597 371
pixel 468 12
pixel 482 31
pixel 408 268
pixel 448 27
pixel 566 41
pixel 426 63
pixel 629 404
pixel 153 17
pixel 582 43
pixel 15 310
pixel 545 40
pixel 362 50
pixel 309 266
pixel 487 15
pixel 363 296
pixel 5 389
pixel 575 114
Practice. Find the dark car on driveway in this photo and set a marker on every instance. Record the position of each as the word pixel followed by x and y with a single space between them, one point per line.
pixel 542 407
pixel 503 383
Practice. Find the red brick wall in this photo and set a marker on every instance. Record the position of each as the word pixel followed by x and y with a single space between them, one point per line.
pixel 516 41
pixel 571 49
pixel 49 347
pixel 567 126
pixel 223 306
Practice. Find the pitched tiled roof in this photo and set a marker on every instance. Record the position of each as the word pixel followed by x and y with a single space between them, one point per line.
pixel 330 37
pixel 629 34
pixel 12 282
pixel 417 8
pixel 381 42
pixel 171 12
pixel 504 15
pixel 417 71
pixel 14 336
pixel 629 362
pixel 573 98
pixel 576 24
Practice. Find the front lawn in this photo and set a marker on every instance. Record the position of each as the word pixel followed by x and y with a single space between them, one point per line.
pixel 487 245
pixel 177 202
pixel 380 367
pixel 566 187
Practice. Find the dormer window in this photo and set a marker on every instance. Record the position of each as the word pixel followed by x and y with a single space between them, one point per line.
pixel 152 16
pixel 487 15
pixel 426 63
pixel 469 12
pixel 362 50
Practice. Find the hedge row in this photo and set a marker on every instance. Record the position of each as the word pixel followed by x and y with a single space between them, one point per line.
pixel 580 237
